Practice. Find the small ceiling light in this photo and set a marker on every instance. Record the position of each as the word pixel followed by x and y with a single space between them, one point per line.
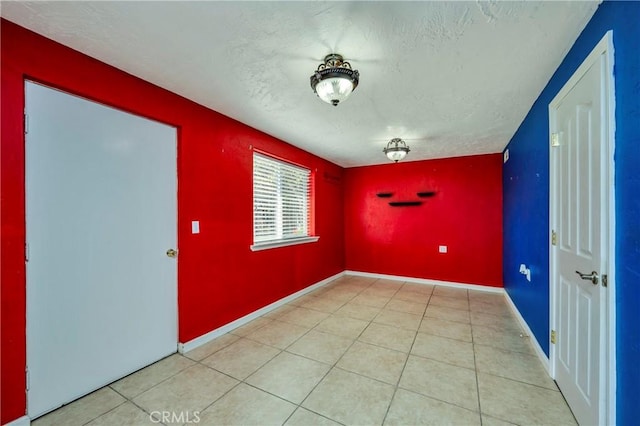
pixel 334 80
pixel 396 149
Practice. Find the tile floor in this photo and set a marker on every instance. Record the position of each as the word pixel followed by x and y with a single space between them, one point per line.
pixel 356 351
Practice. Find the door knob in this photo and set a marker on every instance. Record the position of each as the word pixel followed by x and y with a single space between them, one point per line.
pixel 172 253
pixel 593 276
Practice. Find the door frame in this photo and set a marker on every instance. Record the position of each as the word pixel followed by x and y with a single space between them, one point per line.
pixel 607 394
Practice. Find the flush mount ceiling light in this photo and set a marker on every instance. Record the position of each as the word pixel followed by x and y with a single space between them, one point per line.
pixel 334 80
pixel 396 149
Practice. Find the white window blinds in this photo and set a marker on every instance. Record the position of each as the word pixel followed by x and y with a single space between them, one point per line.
pixel 280 200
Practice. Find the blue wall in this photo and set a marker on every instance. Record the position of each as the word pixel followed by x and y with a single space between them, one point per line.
pixel 526 198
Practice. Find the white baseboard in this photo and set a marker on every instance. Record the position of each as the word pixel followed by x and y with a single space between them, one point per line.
pixel 478 287
pixel 20 421
pixel 536 346
pixel 206 338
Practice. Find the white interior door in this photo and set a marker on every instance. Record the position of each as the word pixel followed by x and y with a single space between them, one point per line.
pixel 101 214
pixel 579 218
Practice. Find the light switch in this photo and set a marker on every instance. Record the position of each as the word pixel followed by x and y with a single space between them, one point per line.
pixel 195 226
pixel 442 249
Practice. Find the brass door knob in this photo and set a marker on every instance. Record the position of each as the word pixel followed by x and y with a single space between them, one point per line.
pixel 172 253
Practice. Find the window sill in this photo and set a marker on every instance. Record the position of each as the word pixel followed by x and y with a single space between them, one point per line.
pixel 283 243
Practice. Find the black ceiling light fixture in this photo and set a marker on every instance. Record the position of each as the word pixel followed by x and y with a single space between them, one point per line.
pixel 334 80
pixel 396 149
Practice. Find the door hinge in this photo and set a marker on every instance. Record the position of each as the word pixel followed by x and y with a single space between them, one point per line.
pixel 28 377
pixel 605 280
pixel 553 337
pixel 26 123
pixel 26 252
pixel 554 238
pixel 555 139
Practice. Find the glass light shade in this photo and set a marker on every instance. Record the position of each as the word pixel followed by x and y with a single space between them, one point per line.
pixel 396 154
pixel 334 90
pixel 396 149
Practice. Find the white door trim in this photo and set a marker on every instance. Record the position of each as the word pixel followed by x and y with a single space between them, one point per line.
pixel 608 311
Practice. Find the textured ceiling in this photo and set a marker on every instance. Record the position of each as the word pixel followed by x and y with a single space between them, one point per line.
pixel 450 78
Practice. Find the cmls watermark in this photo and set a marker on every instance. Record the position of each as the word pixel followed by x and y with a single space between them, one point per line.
pixel 169 417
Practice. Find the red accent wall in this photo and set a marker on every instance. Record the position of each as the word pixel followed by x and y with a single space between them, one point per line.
pixel 465 214
pixel 219 278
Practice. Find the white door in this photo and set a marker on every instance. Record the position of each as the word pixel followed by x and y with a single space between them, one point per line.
pixel 579 126
pixel 101 214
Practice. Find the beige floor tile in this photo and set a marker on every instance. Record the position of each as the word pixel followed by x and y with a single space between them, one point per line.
pixel 376 291
pixel 409 307
pixel 460 293
pixel 386 283
pixel 191 390
pixel 211 347
pixel 251 326
pixel 521 403
pixel 425 289
pixel 278 312
pixel 278 334
pixel 449 302
pixel 342 326
pixel 449 329
pixel 506 339
pixel 355 286
pixel 486 297
pixel 304 317
pixel 354 310
pixel 492 421
pixel 409 408
pixel 398 319
pixel 369 300
pixel 410 295
pixel 512 365
pixel 388 337
pixel 449 314
pixel 349 398
pixel 289 376
pixel 373 361
pixel 341 294
pixel 142 380
pixel 300 301
pixel 360 282
pixel 451 351
pixel 495 321
pixel 241 358
pixel 318 292
pixel 246 405
pixel 491 308
pixel 323 304
pixel 323 347
pixel 304 417
pixel 126 414
pixel 83 410
pixel 445 382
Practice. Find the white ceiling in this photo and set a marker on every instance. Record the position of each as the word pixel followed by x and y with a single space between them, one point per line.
pixel 450 78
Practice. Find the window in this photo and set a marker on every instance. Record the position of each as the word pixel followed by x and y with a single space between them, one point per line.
pixel 281 203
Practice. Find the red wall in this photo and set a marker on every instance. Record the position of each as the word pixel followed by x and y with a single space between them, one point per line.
pixel 219 278
pixel 465 214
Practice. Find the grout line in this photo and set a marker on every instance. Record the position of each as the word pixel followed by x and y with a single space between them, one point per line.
pixel 475 365
pixel 404 366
